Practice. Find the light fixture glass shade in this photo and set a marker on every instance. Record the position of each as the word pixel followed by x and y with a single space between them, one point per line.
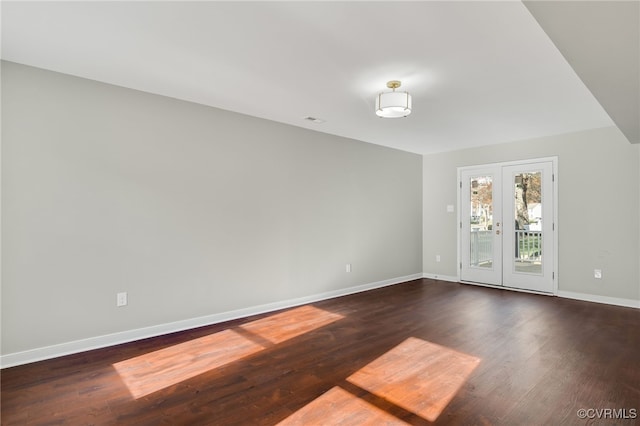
pixel 393 104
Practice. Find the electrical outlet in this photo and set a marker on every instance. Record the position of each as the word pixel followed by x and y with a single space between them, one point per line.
pixel 348 267
pixel 121 299
pixel 597 273
pixel 437 258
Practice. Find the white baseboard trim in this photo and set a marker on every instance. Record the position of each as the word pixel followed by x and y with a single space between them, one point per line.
pixel 54 351
pixel 629 303
pixel 439 277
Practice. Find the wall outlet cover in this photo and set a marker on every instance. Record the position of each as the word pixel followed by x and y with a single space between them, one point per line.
pixel 121 299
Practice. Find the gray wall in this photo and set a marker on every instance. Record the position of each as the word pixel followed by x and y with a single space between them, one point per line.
pixel 599 207
pixel 190 209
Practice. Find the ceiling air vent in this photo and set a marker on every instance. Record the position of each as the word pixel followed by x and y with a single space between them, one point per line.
pixel 314 120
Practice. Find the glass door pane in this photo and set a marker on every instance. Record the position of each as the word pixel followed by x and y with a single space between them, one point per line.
pixel 481 222
pixel 528 219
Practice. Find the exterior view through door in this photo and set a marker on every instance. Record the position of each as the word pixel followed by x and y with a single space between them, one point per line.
pixel 508 225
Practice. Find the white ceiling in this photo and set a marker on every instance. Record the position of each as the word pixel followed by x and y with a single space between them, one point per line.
pixel 479 72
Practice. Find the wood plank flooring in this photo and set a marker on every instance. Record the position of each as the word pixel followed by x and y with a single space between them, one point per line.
pixel 419 353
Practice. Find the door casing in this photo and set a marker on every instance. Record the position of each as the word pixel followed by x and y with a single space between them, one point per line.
pixel 554 197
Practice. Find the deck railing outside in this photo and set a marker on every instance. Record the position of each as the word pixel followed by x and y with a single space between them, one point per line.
pixel 481 247
pixel 528 247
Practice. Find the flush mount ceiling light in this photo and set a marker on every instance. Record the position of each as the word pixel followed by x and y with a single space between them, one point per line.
pixel 393 104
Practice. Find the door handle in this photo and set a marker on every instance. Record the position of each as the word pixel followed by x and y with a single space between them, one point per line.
pixel 498 232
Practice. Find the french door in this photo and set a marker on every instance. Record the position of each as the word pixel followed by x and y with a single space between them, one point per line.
pixel 507 225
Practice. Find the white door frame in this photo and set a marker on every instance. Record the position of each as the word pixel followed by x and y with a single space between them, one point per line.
pixel 554 161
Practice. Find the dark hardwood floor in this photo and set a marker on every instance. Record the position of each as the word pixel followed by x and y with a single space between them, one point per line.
pixel 421 352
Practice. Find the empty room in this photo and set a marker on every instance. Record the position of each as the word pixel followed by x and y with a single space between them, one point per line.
pixel 320 213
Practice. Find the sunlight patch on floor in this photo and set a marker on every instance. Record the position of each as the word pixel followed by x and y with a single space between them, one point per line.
pixel 417 375
pixel 151 372
pixel 157 370
pixel 287 325
pixel 339 407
